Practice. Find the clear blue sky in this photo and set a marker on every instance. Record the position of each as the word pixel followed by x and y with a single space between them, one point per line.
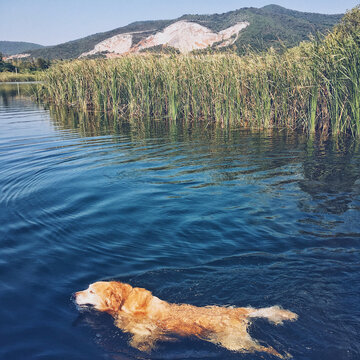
pixel 50 22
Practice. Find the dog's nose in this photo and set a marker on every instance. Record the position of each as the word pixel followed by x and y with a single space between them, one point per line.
pixel 73 296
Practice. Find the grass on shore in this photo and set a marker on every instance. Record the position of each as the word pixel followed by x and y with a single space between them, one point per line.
pixel 7 76
pixel 314 87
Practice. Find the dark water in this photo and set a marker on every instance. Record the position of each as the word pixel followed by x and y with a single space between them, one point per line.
pixel 200 216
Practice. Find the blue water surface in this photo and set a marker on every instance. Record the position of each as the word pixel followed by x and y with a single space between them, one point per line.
pixel 195 214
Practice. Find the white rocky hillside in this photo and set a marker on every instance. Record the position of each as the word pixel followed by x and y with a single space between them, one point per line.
pixel 182 35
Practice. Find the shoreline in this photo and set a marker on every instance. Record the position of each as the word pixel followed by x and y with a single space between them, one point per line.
pixel 9 77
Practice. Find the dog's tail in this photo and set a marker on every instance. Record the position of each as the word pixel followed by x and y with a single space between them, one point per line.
pixel 274 314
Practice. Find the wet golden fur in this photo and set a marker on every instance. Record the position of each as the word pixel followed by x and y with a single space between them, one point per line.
pixel 149 319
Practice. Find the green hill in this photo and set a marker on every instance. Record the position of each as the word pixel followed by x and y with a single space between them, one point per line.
pixel 15 47
pixel 271 25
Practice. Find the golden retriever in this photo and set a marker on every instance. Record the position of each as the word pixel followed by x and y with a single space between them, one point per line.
pixel 149 319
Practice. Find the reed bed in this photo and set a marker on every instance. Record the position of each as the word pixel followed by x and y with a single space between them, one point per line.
pixel 314 87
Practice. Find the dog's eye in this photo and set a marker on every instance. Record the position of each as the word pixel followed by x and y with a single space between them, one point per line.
pixel 91 292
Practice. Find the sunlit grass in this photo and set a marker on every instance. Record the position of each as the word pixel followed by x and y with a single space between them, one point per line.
pixel 13 77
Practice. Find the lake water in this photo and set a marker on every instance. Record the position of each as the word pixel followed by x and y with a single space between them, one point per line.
pixel 195 214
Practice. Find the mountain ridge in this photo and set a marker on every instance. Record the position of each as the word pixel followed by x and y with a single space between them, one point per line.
pixel 271 25
pixel 15 47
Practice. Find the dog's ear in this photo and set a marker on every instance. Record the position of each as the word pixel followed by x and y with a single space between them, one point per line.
pixel 137 301
pixel 115 296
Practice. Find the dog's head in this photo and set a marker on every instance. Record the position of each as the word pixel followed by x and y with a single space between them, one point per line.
pixel 104 296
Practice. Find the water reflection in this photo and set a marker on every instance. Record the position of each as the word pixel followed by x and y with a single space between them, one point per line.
pixel 331 173
pixel 330 169
pixel 12 91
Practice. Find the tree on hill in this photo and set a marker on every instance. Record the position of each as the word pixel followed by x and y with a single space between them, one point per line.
pixel 5 66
